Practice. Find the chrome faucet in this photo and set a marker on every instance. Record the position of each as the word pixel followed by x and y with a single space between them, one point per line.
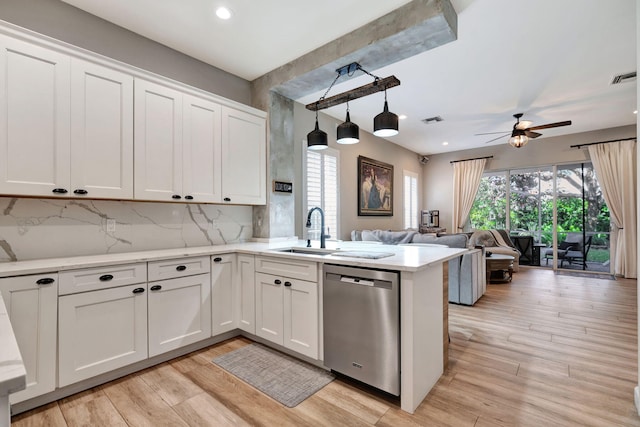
pixel 323 237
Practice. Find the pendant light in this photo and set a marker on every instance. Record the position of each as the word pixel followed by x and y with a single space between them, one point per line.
pixel 348 132
pixel 386 123
pixel 317 139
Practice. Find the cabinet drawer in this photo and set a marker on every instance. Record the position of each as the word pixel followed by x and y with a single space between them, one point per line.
pixel 171 268
pixel 91 279
pixel 303 270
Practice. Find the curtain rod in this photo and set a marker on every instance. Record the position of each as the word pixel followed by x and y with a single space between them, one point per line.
pixel 601 142
pixel 475 158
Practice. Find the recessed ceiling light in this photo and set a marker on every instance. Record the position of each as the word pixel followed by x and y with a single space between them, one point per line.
pixel 635 112
pixel 402 116
pixel 445 143
pixel 223 13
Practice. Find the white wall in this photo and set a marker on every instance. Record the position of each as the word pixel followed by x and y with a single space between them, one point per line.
pixel 369 146
pixel 438 172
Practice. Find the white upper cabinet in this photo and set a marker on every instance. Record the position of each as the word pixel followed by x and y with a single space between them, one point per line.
pixel 34 120
pixel 101 131
pixel 244 158
pixel 158 142
pixel 202 156
pixel 76 125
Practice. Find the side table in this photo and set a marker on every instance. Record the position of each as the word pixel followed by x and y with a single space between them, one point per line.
pixel 502 266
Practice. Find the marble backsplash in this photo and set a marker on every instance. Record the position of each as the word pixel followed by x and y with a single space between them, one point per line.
pixel 51 228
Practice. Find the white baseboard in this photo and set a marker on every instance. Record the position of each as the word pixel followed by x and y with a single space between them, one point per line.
pixel 636 398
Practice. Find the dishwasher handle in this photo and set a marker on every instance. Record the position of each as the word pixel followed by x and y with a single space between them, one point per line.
pixel 357 281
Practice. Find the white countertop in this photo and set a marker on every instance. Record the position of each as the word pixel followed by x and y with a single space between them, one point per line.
pixel 404 258
pixel 13 376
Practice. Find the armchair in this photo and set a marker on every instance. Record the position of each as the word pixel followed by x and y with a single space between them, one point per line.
pixel 571 249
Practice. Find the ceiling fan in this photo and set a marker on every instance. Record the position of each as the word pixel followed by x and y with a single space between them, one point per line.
pixel 522 131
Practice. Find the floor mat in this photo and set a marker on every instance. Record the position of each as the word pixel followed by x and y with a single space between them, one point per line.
pixel 587 275
pixel 282 377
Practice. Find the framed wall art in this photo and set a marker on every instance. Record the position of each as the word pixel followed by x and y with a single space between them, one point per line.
pixel 375 188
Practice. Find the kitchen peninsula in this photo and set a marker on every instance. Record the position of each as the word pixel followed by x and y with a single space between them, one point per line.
pixel 423 302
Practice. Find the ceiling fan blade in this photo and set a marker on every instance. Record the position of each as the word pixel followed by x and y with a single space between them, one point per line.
pixel 532 134
pixel 492 133
pixel 495 139
pixel 551 125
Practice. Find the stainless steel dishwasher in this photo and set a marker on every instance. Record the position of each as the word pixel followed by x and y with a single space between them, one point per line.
pixel 362 325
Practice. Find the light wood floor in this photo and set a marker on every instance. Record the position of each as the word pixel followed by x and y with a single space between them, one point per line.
pixel 544 350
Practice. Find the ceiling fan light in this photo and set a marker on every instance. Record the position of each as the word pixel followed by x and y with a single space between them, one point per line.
pixel 386 123
pixel 317 139
pixel 518 141
pixel 348 132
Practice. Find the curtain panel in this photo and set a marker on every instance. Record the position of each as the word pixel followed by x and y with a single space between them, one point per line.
pixel 615 166
pixel 466 181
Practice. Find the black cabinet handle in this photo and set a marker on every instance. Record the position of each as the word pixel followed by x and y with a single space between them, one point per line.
pixel 188 197
pixel 60 190
pixel 287 284
pixel 80 191
pixel 106 277
pixel 176 197
pixel 138 290
pixel 226 199
pixel 155 288
pixel 217 259
pixel 181 267
pixel 277 281
pixel 45 281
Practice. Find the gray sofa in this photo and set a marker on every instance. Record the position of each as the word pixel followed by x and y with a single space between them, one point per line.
pixel 467 279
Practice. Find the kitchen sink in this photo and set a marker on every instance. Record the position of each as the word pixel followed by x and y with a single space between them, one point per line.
pixel 306 251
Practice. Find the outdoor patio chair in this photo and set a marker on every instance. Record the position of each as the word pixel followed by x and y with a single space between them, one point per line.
pixel 578 256
pixel 572 243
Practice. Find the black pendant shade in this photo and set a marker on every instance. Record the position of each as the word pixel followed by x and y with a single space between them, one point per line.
pixel 317 139
pixel 386 123
pixel 348 132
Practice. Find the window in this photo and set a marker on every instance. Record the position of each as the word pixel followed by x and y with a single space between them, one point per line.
pixel 322 190
pixel 410 199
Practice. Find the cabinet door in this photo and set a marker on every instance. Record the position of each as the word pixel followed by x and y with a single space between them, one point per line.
pixel 269 307
pixel 246 291
pixel 223 293
pixel 244 158
pixel 34 120
pixel 301 317
pixel 179 312
pixel 202 162
pixel 102 132
pixel 101 331
pixel 158 142
pixel 32 309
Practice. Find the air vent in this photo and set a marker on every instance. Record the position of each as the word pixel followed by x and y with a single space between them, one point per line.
pixel 430 120
pixel 623 78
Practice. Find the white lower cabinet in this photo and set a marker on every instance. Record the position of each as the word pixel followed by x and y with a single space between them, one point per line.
pixel 223 293
pixel 179 312
pixel 31 304
pixel 287 312
pixel 101 331
pixel 246 291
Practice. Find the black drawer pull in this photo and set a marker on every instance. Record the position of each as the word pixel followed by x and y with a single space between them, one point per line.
pixel 217 259
pixel 188 197
pixel 138 290
pixel 155 288
pixel 287 284
pixel 226 199
pixel 80 191
pixel 106 277
pixel 181 267
pixel 176 197
pixel 45 281
pixel 60 190
pixel 277 281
